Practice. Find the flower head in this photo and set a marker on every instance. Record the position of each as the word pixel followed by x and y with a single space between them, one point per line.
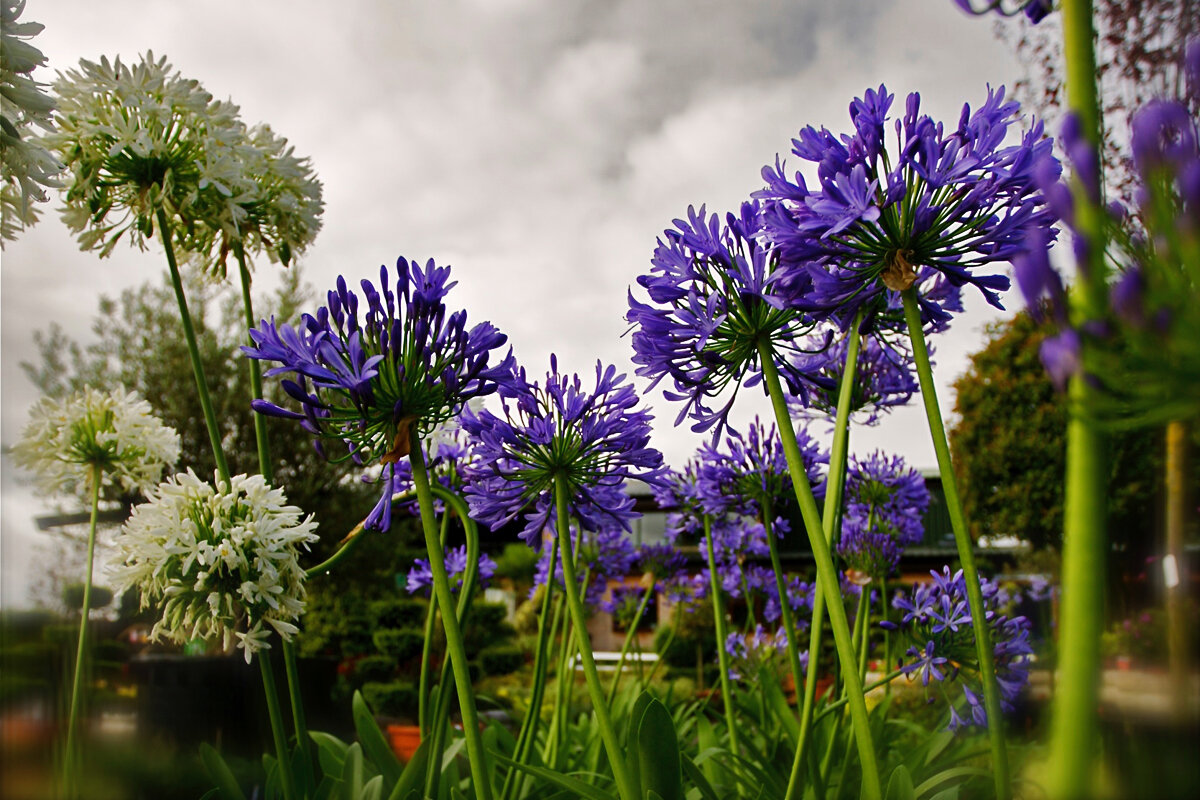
pixel 420 575
pixel 27 166
pixel 139 139
pixel 593 441
pixel 604 555
pixel 370 384
pixel 883 379
pixel 715 297
pixel 939 211
pixel 223 561
pixel 752 652
pixel 115 431
pixel 937 620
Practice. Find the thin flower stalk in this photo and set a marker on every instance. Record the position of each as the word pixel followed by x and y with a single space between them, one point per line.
pixel 1073 722
pixel 827 579
pixel 719 623
pixel 286 777
pixel 616 755
pixel 833 500
pixel 71 757
pixel 962 540
pixel 480 774
pixel 423 719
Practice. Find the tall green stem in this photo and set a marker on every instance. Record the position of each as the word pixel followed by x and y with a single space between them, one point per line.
pixel 427 647
pixel 833 501
pixel 962 539
pixel 286 778
pixel 719 622
pixel 616 755
pixel 70 760
pixel 480 774
pixel 541 662
pixel 826 576
pixel 785 606
pixel 189 335
pixel 1073 722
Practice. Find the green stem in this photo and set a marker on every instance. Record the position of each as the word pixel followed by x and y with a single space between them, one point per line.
pixel 962 538
pixel 864 630
pixel 70 761
pixel 427 647
pixel 189 334
pixel 286 778
pixel 629 636
pixel 666 648
pixel 785 606
pixel 1074 722
pixel 835 705
pixel 541 663
pixel 349 542
pixel 480 774
pixel 722 654
pixel 833 500
pixel 826 576
pixel 616 755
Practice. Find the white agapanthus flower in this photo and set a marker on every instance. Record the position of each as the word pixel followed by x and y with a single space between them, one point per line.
pixel 26 166
pixel 223 562
pixel 137 139
pixel 115 431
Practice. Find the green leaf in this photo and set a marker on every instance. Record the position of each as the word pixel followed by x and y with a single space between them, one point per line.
pixel 575 785
pixel 220 773
pixel 413 777
pixel 951 774
pixel 937 745
pixel 696 776
pixel 900 785
pixel 331 752
pixel 374 744
pixel 352 771
pixel 374 788
pixel 658 752
pixel 779 705
pixel 632 760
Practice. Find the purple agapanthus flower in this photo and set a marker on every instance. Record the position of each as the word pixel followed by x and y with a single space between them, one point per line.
pixel 885 505
pixel 936 619
pixel 1137 346
pixel 420 576
pixel 450 459
pixel 883 379
pixel 592 440
pixel 943 209
pixel 603 555
pixel 1035 10
pixel 407 365
pixel 714 297
pixel 752 652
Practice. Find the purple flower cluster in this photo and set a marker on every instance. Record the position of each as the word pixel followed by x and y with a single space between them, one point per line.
pixel 603 555
pixel 937 621
pixel 407 366
pixel 450 459
pixel 936 213
pixel 714 298
pixel 1035 10
pixel 420 576
pixel 885 505
pixel 883 379
pixel 1142 351
pixel 750 653
pixel 591 440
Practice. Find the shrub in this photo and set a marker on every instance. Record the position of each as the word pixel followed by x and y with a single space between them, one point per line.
pixel 394 699
pixel 398 612
pixel 501 659
pixel 403 644
pixel 374 669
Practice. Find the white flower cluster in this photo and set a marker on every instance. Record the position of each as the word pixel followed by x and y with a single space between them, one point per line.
pixel 26 166
pixel 116 431
pixel 222 561
pixel 142 138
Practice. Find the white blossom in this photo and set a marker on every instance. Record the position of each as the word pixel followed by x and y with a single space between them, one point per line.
pixel 26 166
pixel 116 431
pixel 222 561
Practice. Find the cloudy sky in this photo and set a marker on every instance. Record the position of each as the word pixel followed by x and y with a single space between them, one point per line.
pixel 537 146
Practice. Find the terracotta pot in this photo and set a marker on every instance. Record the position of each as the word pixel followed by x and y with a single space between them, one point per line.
pixel 404 740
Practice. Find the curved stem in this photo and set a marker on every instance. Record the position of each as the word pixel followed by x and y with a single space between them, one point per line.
pixel 629 635
pixel 541 661
pixel 833 501
pixel 480 774
pixel 189 335
pixel 835 705
pixel 70 762
pixel 962 539
pixel 616 756
pixel 427 647
pixel 350 540
pixel 722 653
pixel 826 576
pixel 286 779
pixel 1074 720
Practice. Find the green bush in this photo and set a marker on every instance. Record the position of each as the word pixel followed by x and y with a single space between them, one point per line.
pixel 374 669
pixel 403 644
pixel 487 625
pixel 501 659
pixel 394 699
pixel 398 612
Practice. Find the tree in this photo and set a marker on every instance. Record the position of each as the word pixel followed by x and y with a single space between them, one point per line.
pixel 1009 450
pixel 1139 50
